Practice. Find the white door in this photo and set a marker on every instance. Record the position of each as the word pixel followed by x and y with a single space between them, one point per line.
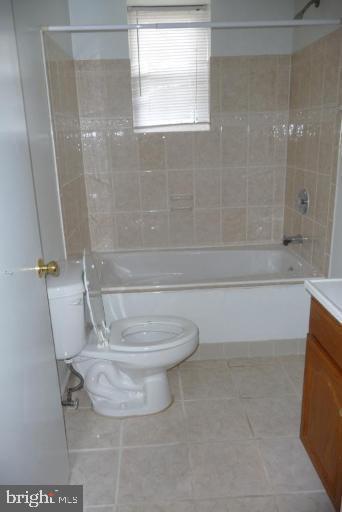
pixel 32 435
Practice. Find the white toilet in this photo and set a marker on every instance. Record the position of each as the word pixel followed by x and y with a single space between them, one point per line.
pixel 123 366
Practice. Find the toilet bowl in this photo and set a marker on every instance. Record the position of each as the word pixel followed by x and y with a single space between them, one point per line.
pixel 128 376
pixel 124 365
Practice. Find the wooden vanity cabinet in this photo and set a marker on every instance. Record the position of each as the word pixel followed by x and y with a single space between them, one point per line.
pixel 321 425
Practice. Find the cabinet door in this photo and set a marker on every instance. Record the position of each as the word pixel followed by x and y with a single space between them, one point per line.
pixel 321 427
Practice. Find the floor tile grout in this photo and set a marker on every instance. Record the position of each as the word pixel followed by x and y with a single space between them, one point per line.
pixel 98 449
pixel 268 478
pixel 118 476
pixel 247 418
pixel 184 442
pixel 294 385
pixel 220 497
pixel 99 507
pixel 250 441
pixel 237 397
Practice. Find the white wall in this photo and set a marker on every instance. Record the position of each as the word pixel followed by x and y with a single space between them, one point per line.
pixel 99 45
pixel 327 10
pixel 251 42
pixel 224 42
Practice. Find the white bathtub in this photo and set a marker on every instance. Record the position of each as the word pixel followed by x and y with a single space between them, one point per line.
pixel 237 294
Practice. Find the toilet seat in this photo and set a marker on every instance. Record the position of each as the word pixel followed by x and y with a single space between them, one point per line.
pixel 140 334
pixel 148 333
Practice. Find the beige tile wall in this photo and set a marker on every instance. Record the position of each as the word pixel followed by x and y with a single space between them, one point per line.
pixel 220 187
pixel 316 91
pixel 226 186
pixel 68 147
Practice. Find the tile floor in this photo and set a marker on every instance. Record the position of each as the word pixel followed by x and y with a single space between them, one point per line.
pixel 229 443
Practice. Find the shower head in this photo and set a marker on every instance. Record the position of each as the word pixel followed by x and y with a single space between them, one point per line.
pixel 300 14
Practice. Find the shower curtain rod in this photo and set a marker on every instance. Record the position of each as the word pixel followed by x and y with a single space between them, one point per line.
pixel 195 24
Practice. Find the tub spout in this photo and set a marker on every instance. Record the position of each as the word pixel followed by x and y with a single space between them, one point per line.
pixel 296 239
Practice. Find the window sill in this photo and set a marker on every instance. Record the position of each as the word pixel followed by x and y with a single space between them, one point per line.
pixel 202 127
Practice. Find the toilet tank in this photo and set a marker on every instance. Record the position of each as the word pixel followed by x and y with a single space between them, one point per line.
pixel 66 300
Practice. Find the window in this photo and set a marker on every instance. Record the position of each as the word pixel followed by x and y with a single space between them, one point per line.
pixel 170 69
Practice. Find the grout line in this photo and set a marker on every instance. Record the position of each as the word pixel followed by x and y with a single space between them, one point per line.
pixel 263 464
pixel 221 497
pixel 116 496
pixel 247 418
pixel 194 194
pixel 237 397
pixel 186 431
pixel 158 445
pixel 196 400
pixel 85 450
pixel 167 200
pixel 99 507
pixel 220 148
pixel 252 439
pixel 181 392
pixel 294 493
pixel 297 393
pixel 248 156
pixel 234 380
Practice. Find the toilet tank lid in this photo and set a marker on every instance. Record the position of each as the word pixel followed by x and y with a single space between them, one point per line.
pixel 68 283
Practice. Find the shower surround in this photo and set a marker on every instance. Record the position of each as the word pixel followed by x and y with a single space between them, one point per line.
pixel 68 148
pixel 214 187
pixel 313 146
pixel 220 187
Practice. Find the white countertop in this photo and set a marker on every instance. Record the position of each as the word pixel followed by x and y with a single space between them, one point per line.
pixel 328 292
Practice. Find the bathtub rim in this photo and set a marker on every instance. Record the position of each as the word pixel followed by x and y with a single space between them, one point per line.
pixel 236 246
pixel 311 273
pixel 206 285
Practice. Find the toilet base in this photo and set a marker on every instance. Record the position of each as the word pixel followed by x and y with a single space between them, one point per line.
pixel 107 411
pixel 120 393
pixel 155 396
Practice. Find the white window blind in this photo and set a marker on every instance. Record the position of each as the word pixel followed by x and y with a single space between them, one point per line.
pixel 170 68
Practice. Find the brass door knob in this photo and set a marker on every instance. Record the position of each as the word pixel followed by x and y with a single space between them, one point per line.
pixel 51 268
